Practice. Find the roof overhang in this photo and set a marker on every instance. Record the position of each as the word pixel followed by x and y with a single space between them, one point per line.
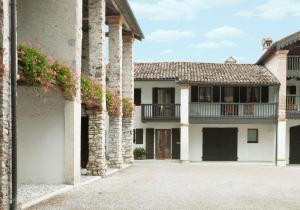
pixel 122 8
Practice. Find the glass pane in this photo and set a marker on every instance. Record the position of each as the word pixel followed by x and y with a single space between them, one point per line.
pixel 205 94
pixel 252 135
pixel 163 144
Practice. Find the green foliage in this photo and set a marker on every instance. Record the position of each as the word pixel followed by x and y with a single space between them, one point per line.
pixel 127 107
pixel 37 69
pixel 66 79
pixel 91 92
pixel 139 152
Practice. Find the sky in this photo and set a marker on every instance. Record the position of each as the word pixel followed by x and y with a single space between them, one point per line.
pixel 211 30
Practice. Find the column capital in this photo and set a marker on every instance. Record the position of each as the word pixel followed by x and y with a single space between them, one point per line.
pixel 184 86
pixel 114 20
pixel 127 38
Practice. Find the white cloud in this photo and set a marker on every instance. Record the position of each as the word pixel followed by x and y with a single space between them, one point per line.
pixel 214 45
pixel 167 52
pixel 224 32
pixel 169 36
pixel 174 9
pixel 273 10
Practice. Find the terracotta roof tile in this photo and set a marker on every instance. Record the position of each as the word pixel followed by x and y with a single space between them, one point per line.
pixel 206 73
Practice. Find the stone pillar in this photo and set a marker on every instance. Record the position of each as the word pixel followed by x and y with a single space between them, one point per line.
pixel 5 122
pixel 114 75
pixel 97 120
pixel 128 89
pixel 184 123
pixel 281 125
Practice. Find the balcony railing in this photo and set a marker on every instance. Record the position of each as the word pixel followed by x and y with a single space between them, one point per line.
pixel 293 106
pixel 161 112
pixel 233 110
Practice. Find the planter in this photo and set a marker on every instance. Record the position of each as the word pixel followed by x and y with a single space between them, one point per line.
pixel 140 157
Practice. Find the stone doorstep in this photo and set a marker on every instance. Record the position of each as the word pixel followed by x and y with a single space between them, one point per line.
pixel 69 188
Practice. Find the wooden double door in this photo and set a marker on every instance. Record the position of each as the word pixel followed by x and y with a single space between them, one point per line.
pixel 295 145
pixel 163 144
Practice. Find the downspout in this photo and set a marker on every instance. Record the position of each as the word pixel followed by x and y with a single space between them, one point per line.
pixel 277 108
pixel 13 67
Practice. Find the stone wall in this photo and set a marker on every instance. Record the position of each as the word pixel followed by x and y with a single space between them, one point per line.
pixel 5 123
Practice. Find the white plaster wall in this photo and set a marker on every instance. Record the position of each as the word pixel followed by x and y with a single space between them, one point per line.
pixel 262 151
pixel 40 137
pixel 289 124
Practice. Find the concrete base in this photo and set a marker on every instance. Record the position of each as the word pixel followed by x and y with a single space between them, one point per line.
pixel 281 163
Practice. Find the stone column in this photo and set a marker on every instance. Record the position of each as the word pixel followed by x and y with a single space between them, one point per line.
pixel 281 125
pixel 184 123
pixel 114 75
pixel 128 86
pixel 97 160
pixel 5 122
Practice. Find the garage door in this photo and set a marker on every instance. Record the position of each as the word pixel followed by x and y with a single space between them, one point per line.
pixel 220 144
pixel 295 145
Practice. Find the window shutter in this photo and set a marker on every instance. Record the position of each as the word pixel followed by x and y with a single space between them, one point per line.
pixel 216 94
pixel 236 93
pixel 134 139
pixel 243 94
pixel 194 93
pixel 223 94
pixel 154 95
pixel 265 94
pixel 139 136
pixel 172 90
pixel 137 96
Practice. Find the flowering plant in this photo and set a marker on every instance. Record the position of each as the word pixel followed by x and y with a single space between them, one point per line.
pixel 113 102
pixel 37 69
pixel 91 92
pixel 127 107
pixel 66 79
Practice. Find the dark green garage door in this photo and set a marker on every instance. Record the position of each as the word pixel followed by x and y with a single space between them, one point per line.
pixel 220 144
pixel 295 145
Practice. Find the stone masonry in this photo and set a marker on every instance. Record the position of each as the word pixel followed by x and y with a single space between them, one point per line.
pixel 128 87
pixel 114 75
pixel 5 124
pixel 97 120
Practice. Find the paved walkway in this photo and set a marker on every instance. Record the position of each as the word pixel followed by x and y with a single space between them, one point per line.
pixel 171 185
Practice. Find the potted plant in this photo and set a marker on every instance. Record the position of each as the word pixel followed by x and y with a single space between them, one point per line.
pixel 139 153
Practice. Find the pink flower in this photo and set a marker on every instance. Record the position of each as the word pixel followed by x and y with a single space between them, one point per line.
pixel 38 79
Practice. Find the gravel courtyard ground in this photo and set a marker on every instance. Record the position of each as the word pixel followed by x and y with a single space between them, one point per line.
pixel 171 185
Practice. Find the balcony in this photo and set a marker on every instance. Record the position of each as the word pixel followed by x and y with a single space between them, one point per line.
pixel 293 66
pixel 161 112
pixel 293 107
pixel 232 112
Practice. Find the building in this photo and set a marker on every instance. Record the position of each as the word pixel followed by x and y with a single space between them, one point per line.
pixel 221 112
pixel 53 145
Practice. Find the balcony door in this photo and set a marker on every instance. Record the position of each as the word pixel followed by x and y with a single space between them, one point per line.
pixel 163 102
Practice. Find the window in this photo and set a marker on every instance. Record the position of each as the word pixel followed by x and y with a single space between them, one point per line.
pixel 252 135
pixel 291 90
pixel 137 96
pixel 138 136
pixel 253 94
pixel 201 94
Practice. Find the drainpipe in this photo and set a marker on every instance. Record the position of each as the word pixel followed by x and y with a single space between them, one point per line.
pixel 13 67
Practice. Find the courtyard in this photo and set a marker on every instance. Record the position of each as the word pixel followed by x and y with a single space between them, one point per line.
pixel 171 185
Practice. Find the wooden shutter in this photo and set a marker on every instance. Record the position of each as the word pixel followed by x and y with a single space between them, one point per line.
pixel 243 94
pixel 265 94
pixel 137 96
pixel 150 143
pixel 154 95
pixel 176 143
pixel 172 91
pixel 194 93
pixel 216 94
pixel 139 136
pixel 236 94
